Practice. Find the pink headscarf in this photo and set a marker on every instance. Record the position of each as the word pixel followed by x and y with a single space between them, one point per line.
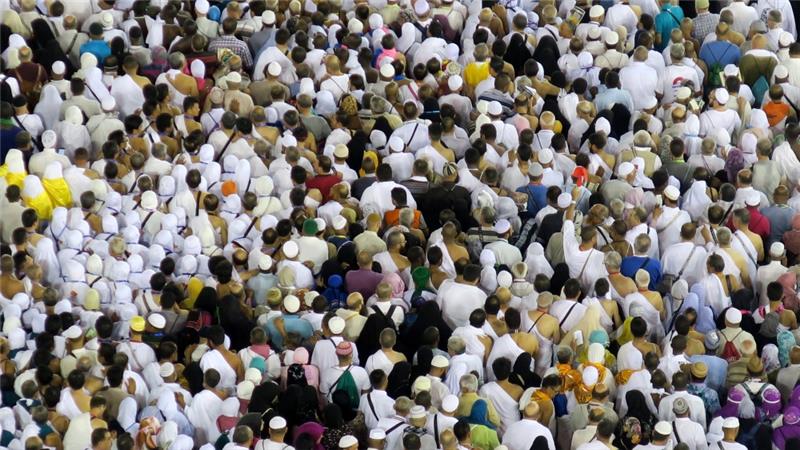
pixel 398 287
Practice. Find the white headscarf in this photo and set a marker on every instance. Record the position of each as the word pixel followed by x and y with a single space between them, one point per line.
pixel 94 85
pixel 696 200
pixel 408 35
pixel 49 106
pixel 242 176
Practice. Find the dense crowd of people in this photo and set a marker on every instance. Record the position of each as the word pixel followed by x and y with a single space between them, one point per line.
pixel 399 225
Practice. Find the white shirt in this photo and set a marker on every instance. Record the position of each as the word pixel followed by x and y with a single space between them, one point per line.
pixel 697 410
pixel 639 79
pixel 691 433
pixel 520 435
pixel 643 228
pixel 668 226
pixel 414 134
pixel 586 265
pixel 458 302
pixel 675 258
pixel 672 78
pixel 712 119
pixel 329 376
pixel 375 405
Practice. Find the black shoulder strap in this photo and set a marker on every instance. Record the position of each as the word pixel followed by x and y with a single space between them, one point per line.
pixel 560 324
pixel 149 215
pixel 72 44
pixel 644 263
pixel 250 227
pixel 222 152
pixel 394 427
pixel 675 432
pixel 537 321
pixel 372 406
pixel 436 429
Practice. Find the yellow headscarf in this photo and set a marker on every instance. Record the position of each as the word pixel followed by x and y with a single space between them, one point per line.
pixel 193 288
pixel 371 155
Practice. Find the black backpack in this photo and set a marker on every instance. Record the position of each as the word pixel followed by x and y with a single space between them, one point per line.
pixel 372 327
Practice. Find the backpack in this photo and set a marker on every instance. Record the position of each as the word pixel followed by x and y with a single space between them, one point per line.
pixel 372 327
pixel 31 89
pixel 347 384
pixel 716 70
pixel 750 437
pixel 729 352
pixel 761 85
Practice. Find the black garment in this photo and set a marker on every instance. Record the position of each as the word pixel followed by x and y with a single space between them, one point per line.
pixel 400 380
pixel 428 315
pixel 356 148
pixel 522 375
pixel 419 190
pixel 236 325
pixel 547 55
pixel 551 224
pixel 448 195
pixel 46 49
pixel 360 185
pixel 517 53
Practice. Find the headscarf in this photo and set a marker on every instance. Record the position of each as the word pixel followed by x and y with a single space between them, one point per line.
pixel 769 357
pixel 705 316
pixel 399 380
pixel 517 53
pixel 696 200
pixel 479 415
pixel 314 430
pixel 637 406
pixel 734 162
pixel 522 375
pixel 394 280
pixel 547 55
pixel 49 106
pixel 428 315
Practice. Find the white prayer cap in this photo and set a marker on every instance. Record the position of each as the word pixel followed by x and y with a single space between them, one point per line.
pixel 11 324
pixel 625 169
pixel 421 384
pixel 733 315
pixel 721 95
pixel 777 250
pixel 495 108
pixel 422 7
pixel 417 412
pixel 277 423
pixel 157 321
pixel 63 306
pixel 265 262
pixel 336 324
pixel 680 289
pixel 752 199
pixel 149 200
pixel 590 375
pixel 16 338
pixel 309 297
pixel 355 26
pixel 596 11
pixel 450 403
pixel 504 278
pixel 396 144
pixel 59 68
pixel 288 140
pixel 49 139
pixel 378 434
pixel 663 428
pixel 290 249
pixel 545 156
pixel 341 151
pixel 612 38
pixel 731 70
pixel 672 193
pixel 201 6
pixel 502 226
pixel 291 304
pixel 387 71
pixel 73 332
pixel 274 68
pixel 108 20
pixel 166 369
pixel 440 362
pixel 781 72
pixel 785 40
pixel 339 223
pixel 253 375
pixel 348 441
pixel 683 93
pixel 244 390
pixel 535 170
pixel 108 104
pixel 268 17
pixel 234 77
pixel 650 102
pixel 723 138
pixel 455 83
pixel 564 200
pixel 730 423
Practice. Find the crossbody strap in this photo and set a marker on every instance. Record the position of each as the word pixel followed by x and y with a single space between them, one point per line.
pixel 560 324
pixel 372 406
pixel 686 263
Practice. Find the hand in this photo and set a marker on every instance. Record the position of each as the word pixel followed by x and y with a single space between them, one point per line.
pixel 131 387
pixel 576 193
pixel 180 400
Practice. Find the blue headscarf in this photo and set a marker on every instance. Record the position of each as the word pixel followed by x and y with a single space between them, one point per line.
pixel 479 415
pixel 697 299
pixel 214 13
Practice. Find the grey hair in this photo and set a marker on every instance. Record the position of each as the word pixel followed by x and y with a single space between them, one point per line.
pixel 612 260
pixel 468 383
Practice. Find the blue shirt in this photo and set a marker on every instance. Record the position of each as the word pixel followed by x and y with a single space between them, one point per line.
pixel 780 221
pixel 292 324
pixel 610 97
pixel 630 264
pixel 99 48
pixel 537 198
pixel 670 17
